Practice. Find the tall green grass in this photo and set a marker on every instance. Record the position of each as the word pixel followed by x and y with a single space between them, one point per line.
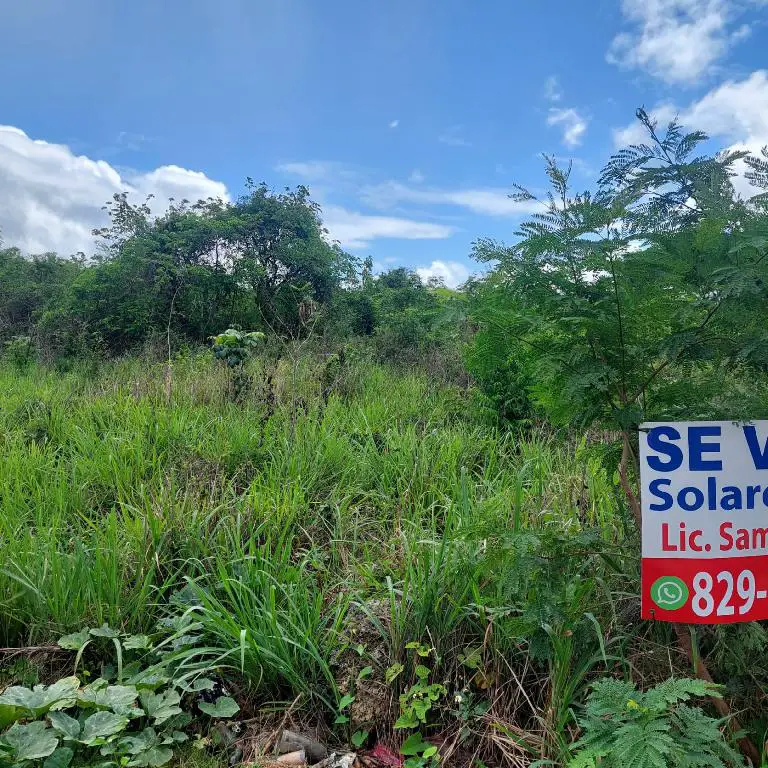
pixel 273 521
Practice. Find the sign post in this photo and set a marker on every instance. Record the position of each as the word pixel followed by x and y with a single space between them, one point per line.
pixel 704 521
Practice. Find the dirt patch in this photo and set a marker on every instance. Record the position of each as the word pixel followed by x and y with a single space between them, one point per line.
pixel 361 666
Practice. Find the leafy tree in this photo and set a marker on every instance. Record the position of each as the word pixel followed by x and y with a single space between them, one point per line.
pixel 639 300
pixel 407 319
pixel 643 300
pixel 30 286
pixel 279 251
pixel 207 265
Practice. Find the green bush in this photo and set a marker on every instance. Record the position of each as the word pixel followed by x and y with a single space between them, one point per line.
pixel 235 347
pixel 133 714
pixel 652 729
pixel 20 351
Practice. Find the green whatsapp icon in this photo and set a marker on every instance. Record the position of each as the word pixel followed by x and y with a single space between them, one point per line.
pixel 669 593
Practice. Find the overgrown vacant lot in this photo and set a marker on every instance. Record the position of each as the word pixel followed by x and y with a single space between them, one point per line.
pixel 390 508
pixel 357 547
pixel 400 517
pixel 111 497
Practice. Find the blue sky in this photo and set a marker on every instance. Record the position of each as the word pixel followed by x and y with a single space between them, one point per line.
pixel 409 121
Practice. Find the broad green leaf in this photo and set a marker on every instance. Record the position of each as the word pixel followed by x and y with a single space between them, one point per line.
pixel 135 743
pixel 346 701
pixel 421 650
pixel 223 707
pixel 392 672
pixel 64 692
pixel 137 642
pixel 471 658
pixel 104 631
pixel 202 684
pixel 75 641
pixel 406 720
pixel 160 706
pixel 179 721
pixel 60 758
pixel 419 708
pixel 8 714
pixel 184 641
pixel 154 757
pixel 100 726
pixel 148 680
pixel 118 698
pixel 64 724
pixel 31 742
pixel 341 719
pixel 364 672
pixel 358 738
pixel 41 698
pixel 435 691
pixel 414 745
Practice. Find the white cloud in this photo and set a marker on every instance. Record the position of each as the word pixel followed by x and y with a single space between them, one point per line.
pixel 127 141
pixel 487 201
pixel 318 170
pixel 490 201
pixel 742 33
pixel 573 124
pixel 736 111
pixel 569 119
pixel 309 170
pixel 394 123
pixel 676 40
pixel 454 137
pixel 552 90
pixel 452 273
pixel 355 230
pixel 51 199
pixel 172 181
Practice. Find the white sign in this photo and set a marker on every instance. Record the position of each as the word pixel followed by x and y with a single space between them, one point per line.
pixel 705 521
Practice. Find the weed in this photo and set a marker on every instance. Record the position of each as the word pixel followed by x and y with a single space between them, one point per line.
pixel 377 520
